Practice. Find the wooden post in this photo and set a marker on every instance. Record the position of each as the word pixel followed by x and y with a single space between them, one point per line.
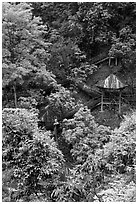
pixel 102 101
pixel 120 102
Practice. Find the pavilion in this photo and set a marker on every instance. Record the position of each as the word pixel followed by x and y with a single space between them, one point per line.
pixel 111 87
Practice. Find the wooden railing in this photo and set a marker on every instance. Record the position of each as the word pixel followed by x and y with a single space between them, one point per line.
pixel 101 56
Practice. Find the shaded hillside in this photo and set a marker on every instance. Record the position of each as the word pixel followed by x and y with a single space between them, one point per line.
pixel 57 145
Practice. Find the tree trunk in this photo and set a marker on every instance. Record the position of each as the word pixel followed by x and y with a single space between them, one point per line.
pixel 15 96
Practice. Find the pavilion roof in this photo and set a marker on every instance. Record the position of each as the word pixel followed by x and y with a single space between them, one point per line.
pixel 111 82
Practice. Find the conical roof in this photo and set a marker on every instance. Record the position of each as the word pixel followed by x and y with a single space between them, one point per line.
pixel 111 82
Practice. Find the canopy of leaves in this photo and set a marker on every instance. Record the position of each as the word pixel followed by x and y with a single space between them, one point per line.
pixel 49 54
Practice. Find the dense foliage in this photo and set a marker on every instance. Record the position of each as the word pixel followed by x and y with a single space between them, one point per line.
pixel 53 148
pixel 31 160
pixel 34 169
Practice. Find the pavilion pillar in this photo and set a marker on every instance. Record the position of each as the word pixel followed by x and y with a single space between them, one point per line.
pixel 102 96
pixel 120 102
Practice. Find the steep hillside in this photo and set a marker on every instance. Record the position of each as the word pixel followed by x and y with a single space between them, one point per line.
pixel 59 144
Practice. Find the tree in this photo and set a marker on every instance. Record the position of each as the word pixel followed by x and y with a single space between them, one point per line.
pixel 124 47
pixel 24 49
pixel 63 32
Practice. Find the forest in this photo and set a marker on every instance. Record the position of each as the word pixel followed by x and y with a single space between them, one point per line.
pixel 57 146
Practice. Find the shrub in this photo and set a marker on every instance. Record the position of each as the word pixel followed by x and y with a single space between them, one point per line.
pixel 60 103
pixel 87 139
pixel 84 134
pixel 120 152
pixel 31 160
pixel 27 102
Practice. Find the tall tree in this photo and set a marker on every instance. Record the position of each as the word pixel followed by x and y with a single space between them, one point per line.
pixel 24 49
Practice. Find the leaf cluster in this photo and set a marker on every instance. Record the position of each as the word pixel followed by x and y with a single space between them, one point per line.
pixel 31 160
